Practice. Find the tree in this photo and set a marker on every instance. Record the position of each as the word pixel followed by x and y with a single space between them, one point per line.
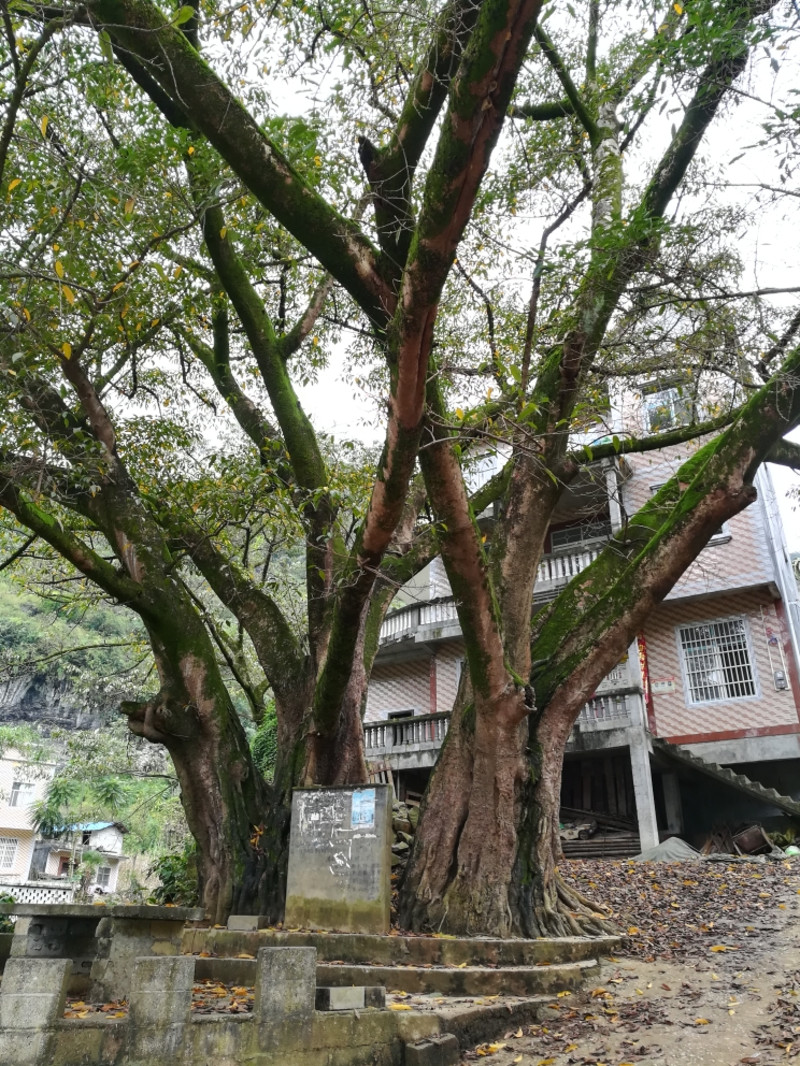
pixel 116 314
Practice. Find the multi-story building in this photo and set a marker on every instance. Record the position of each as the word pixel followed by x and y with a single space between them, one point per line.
pixel 21 784
pixel 715 672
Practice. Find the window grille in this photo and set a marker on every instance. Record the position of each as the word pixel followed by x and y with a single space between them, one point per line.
pixel 584 533
pixel 21 794
pixel 717 660
pixel 8 852
pixel 668 407
pixel 103 876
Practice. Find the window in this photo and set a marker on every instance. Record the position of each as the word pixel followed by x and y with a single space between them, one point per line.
pixel 21 794
pixel 667 406
pixel 717 661
pixel 8 852
pixel 103 876
pixel 583 533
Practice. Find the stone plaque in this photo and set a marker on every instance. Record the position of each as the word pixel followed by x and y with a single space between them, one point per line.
pixel 340 859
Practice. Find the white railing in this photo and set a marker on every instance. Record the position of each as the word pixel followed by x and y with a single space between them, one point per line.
pixel 556 569
pixel 409 619
pixel 563 566
pixel 605 710
pixel 421 732
pixel 39 892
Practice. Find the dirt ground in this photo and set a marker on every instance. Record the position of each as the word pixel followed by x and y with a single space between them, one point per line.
pixel 709 976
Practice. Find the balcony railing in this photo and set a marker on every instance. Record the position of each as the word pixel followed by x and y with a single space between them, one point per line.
pixel 425 732
pixel 554 570
pixel 561 567
pixel 605 711
pixel 420 733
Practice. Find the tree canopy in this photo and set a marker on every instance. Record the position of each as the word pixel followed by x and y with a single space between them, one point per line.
pixel 496 213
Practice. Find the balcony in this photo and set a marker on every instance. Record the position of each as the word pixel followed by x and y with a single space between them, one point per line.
pixel 414 742
pixel 438 618
pixel 410 742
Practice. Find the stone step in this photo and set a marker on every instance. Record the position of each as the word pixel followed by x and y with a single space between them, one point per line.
pixel 447 980
pixel 401 950
pixel 466 980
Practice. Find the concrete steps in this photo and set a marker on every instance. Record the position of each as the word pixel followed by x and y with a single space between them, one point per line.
pixel 727 776
pixel 526 981
pixel 397 950
pixel 603 846
pixel 445 966
pixel 466 980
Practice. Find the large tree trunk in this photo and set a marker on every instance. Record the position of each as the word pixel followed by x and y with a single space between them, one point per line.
pixel 493 803
pixel 226 801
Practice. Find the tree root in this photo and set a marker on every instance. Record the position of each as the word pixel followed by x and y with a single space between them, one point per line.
pixel 583 915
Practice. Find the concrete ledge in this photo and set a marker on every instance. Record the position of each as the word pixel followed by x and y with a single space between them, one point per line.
pixel 435 1051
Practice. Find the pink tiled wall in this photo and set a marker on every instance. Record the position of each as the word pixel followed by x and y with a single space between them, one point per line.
pixel 768 709
pixel 737 562
pixel 405 685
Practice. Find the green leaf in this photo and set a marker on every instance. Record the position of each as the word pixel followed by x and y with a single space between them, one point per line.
pixel 183 14
pixel 105 46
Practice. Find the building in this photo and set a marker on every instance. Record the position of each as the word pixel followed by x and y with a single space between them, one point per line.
pixel 697 728
pixel 61 857
pixel 22 784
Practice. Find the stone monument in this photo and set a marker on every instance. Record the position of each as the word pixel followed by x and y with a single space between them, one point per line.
pixel 339 859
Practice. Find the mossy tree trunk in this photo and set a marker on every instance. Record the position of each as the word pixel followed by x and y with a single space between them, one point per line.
pixel 486 848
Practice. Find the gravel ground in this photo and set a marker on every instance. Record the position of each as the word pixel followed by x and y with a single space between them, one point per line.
pixel 709 976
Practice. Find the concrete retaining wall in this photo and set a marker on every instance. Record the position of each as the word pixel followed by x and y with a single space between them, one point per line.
pixel 284 1027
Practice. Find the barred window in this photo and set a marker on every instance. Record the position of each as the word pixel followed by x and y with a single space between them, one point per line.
pixel 8 852
pixel 716 656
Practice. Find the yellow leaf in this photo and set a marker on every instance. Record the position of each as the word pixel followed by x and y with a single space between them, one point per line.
pixel 69 295
pixel 59 268
pixel 678 9
pixel 632 930
pixel 222 232
pixel 129 206
pixel 66 348
pixel 719 947
pixel 399 1006
pixel 701 1021
pixel 45 120
pixel 244 955
pixel 562 995
pixel 190 150
pixel 176 273
pixel 517 1059
pixel 13 184
pixel 459 413
pixel 27 314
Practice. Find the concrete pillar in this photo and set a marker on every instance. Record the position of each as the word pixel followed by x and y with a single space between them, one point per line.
pixel 32 999
pixel 286 982
pixel 672 802
pixel 160 1004
pixel 643 789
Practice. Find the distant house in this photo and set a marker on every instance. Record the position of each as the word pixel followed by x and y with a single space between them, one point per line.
pixel 22 783
pixel 58 858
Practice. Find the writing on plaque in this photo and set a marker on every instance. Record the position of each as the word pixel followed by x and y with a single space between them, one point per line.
pixel 339 859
